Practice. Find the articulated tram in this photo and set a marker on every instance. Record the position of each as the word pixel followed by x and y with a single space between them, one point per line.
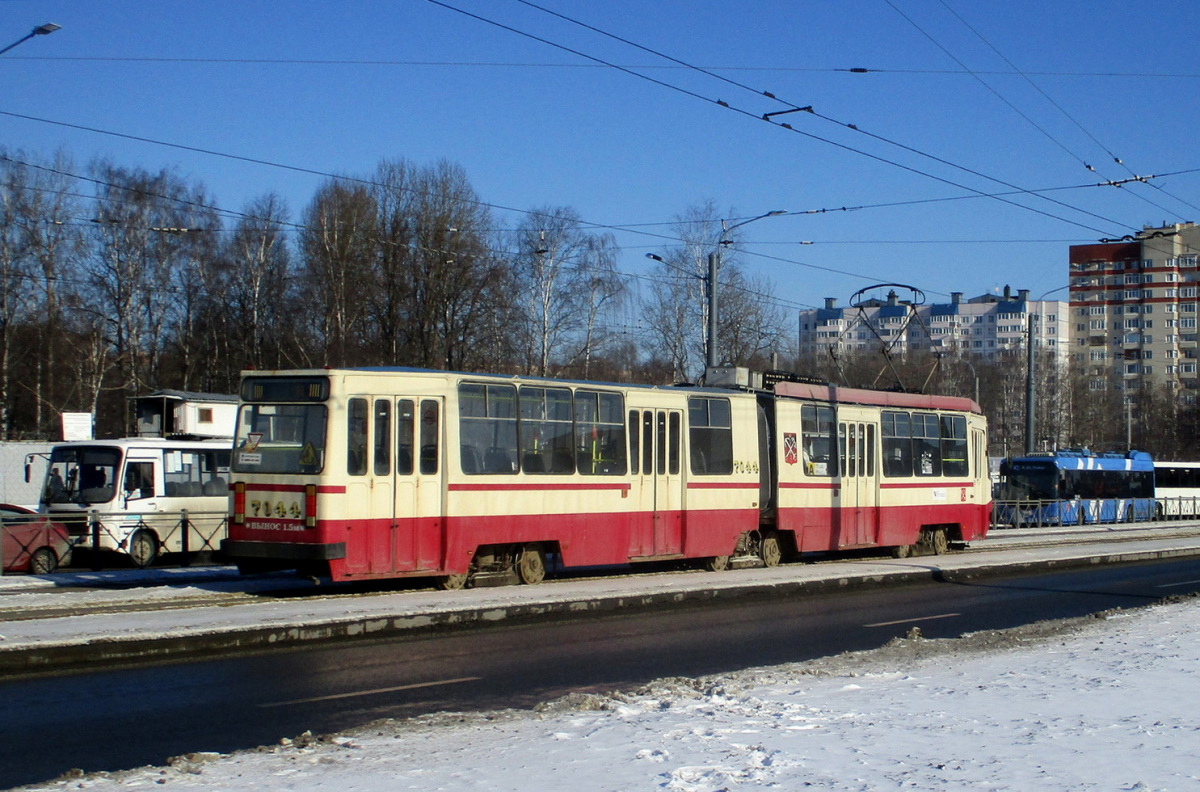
pixel 388 472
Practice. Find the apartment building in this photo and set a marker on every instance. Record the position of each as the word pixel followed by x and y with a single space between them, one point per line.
pixel 1134 311
pixel 988 326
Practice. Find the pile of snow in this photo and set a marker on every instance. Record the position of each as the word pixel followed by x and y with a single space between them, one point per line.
pixel 1092 704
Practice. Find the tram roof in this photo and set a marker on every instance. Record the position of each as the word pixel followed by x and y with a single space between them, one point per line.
pixel 797 390
pixel 475 375
pixel 912 401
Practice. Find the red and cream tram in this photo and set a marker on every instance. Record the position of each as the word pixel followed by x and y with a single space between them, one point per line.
pixel 375 473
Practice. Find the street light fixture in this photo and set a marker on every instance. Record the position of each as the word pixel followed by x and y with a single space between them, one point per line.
pixel 40 30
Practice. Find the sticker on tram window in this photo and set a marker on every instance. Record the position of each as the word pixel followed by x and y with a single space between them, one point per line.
pixel 791 451
pixel 252 441
pixel 249 459
pixel 308 456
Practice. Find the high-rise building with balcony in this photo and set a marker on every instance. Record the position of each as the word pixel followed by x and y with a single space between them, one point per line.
pixel 1134 311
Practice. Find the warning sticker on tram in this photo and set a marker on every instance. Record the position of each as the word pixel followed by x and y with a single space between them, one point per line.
pixel 308 456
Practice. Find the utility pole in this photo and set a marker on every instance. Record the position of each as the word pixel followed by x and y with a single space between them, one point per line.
pixel 711 283
pixel 1029 387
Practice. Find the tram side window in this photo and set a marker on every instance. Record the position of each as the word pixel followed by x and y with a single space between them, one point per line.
pixel 954 445
pixel 817 440
pixel 710 435
pixel 634 441
pixel 383 437
pixel 546 431
pixel 405 420
pixel 647 442
pixel 600 433
pixel 487 417
pixel 356 437
pixel 926 443
pixel 897 444
pixel 847 451
pixel 430 436
pixel 870 450
pixel 673 441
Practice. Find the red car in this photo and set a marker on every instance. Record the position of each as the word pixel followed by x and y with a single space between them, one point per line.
pixel 31 542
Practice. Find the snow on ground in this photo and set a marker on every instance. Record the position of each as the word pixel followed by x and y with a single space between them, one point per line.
pixel 1093 704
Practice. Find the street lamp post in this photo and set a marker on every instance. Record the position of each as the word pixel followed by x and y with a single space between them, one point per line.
pixel 714 262
pixel 40 30
pixel 710 282
pixel 974 375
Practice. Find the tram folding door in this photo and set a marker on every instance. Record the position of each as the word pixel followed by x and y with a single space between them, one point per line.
pixel 394 496
pixel 658 528
pixel 420 471
pixel 858 516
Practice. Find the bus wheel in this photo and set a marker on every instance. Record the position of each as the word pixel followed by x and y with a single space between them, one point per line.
pixel 452 582
pixel 716 563
pixel 771 553
pixel 938 541
pixel 531 566
pixel 143 548
pixel 43 561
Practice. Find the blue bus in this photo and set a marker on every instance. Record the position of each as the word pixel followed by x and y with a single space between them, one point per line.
pixel 1075 487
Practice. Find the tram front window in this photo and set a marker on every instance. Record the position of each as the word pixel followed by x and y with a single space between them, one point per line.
pixel 280 438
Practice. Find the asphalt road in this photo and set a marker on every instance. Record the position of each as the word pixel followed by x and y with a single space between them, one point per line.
pixel 124 718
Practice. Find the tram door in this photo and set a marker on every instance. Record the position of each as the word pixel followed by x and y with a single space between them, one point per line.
pixel 860 483
pixel 420 467
pixel 660 464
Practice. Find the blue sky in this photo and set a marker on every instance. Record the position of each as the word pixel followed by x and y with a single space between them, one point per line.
pixel 535 125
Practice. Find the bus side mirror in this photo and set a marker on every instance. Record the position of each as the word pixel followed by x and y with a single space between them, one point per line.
pixel 28 472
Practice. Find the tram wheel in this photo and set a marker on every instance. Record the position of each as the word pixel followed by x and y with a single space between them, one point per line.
pixel 43 561
pixel 531 566
pixel 771 552
pixel 716 563
pixel 143 548
pixel 938 541
pixel 452 582
pixel 902 551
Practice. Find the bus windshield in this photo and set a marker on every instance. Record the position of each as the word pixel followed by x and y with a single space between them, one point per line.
pixel 81 474
pixel 1030 481
pixel 280 438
